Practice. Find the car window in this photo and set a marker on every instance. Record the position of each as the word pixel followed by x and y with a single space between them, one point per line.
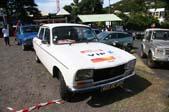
pixel 102 35
pixel 113 35
pixel 72 34
pixel 18 30
pixel 41 33
pixel 47 35
pixel 30 29
pixel 161 35
pixel 123 35
pixel 149 35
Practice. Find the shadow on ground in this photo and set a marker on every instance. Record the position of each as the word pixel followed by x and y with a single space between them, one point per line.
pixel 132 86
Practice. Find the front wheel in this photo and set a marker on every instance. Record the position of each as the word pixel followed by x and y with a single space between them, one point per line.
pixel 151 63
pixel 142 54
pixel 65 94
pixel 37 59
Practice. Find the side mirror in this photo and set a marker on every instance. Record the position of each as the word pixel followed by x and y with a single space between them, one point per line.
pixel 144 40
pixel 44 42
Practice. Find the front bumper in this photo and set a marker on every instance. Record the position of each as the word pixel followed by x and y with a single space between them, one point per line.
pixel 102 84
pixel 161 59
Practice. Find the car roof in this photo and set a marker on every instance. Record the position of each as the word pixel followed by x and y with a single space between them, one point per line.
pixel 115 32
pixel 52 25
pixel 155 29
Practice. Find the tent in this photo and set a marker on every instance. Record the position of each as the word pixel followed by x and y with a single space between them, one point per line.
pixel 99 17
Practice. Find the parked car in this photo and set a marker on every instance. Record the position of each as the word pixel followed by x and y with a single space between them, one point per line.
pixel 71 53
pixel 25 34
pixel 155 46
pixel 119 39
pixel 97 31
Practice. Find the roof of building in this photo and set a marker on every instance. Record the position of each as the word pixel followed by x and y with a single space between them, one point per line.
pixel 155 29
pixel 52 25
pixel 63 12
pixel 98 17
pixel 157 10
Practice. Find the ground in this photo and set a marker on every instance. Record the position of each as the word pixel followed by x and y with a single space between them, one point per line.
pixel 23 82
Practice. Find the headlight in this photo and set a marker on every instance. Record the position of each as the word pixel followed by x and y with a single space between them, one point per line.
pixel 159 51
pixel 84 75
pixel 131 64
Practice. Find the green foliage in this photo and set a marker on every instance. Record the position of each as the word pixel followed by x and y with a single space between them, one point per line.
pixel 84 7
pixel 165 24
pixel 20 8
pixel 140 22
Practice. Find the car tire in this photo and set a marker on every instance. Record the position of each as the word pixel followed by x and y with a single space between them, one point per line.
pixel 150 62
pixel 24 47
pixel 37 59
pixel 65 94
pixel 142 54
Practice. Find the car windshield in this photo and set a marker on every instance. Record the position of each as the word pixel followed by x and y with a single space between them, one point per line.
pixel 161 35
pixel 72 34
pixel 102 35
pixel 30 29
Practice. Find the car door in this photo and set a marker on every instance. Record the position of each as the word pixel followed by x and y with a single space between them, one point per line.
pixel 37 43
pixel 124 39
pixel 45 46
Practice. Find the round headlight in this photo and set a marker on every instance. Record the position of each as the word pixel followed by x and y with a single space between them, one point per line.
pixel 84 75
pixel 131 64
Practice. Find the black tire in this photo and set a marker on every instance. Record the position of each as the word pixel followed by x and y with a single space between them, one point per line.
pixel 150 62
pixel 65 94
pixel 37 59
pixel 24 47
pixel 142 54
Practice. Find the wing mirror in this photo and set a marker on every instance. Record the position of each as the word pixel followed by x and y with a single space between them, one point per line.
pixel 44 42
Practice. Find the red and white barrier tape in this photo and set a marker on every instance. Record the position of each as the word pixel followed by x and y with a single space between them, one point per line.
pixel 38 106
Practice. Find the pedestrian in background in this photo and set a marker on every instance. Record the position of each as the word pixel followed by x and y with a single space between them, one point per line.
pixel 5 32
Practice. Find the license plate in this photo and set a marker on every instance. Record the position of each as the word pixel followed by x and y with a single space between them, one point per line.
pixel 111 86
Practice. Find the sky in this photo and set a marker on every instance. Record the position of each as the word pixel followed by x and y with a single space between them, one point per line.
pixel 50 5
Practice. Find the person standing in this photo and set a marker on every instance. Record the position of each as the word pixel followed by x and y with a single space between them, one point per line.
pixel 5 32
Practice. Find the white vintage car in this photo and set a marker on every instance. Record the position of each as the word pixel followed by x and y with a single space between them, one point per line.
pixel 71 53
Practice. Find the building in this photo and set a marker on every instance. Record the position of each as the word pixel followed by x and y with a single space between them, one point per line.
pixel 158 13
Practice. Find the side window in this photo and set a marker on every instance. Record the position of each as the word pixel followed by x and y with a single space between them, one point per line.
pixel 18 30
pixel 107 37
pixel 47 35
pixel 113 35
pixel 149 35
pixel 123 35
pixel 41 33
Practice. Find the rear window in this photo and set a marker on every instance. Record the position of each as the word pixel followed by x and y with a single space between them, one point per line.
pixel 29 29
pixel 123 35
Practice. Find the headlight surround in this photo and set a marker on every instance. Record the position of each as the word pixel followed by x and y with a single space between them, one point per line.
pixel 160 51
pixel 131 64
pixel 84 75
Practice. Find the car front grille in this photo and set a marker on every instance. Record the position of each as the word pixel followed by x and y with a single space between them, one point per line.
pixel 103 74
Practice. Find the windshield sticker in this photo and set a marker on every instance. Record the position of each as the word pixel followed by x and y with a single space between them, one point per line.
pixel 102 59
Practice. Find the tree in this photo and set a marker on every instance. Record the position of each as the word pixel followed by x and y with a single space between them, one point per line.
pixel 91 6
pixel 22 8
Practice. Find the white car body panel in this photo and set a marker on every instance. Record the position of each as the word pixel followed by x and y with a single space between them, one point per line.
pixel 69 58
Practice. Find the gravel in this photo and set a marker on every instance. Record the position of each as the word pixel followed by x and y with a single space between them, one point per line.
pixel 24 83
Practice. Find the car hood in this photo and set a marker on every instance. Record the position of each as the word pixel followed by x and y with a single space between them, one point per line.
pixel 161 43
pixel 29 35
pixel 90 55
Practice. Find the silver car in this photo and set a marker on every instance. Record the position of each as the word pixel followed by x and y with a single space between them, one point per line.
pixel 155 46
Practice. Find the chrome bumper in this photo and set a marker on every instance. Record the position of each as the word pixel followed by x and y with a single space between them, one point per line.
pixel 99 86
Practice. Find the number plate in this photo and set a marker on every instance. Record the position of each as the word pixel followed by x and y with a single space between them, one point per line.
pixel 111 86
